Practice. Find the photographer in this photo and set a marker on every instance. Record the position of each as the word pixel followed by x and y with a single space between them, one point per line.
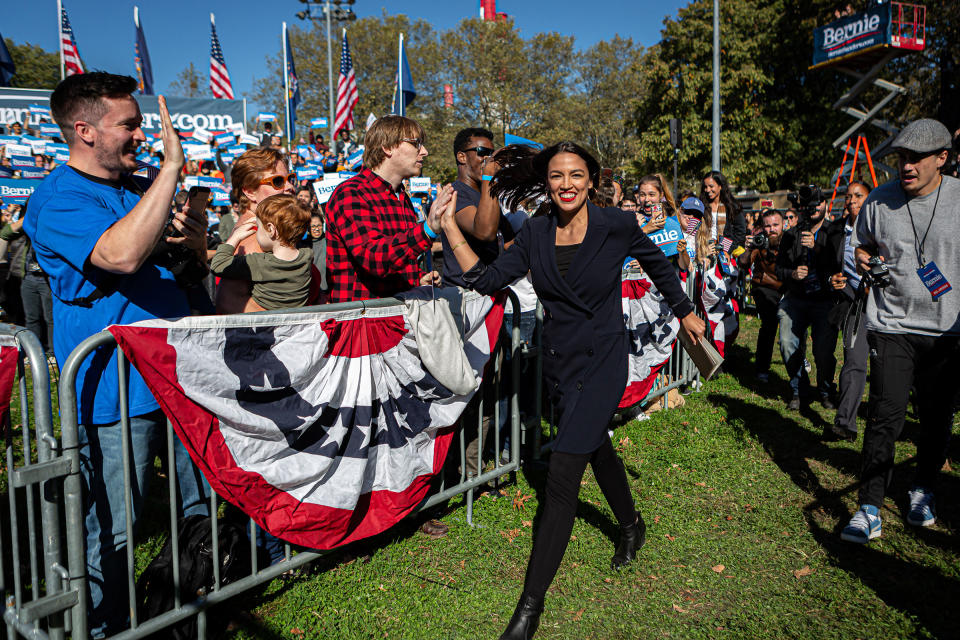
pixel 846 284
pixel 94 227
pixel 807 259
pixel 761 255
pixel 910 227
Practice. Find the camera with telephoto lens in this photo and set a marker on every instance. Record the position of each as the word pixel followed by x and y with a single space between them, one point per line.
pixel 878 274
pixel 806 200
pixel 759 241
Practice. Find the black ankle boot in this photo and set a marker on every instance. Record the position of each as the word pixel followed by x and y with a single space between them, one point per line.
pixel 632 538
pixel 525 620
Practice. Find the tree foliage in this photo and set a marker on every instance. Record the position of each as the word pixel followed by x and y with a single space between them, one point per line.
pixel 189 84
pixel 35 67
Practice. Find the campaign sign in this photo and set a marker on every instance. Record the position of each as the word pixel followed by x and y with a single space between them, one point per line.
pixel 18 150
pixel 35 172
pixel 236 149
pixel 4 140
pixel 346 174
pixel 224 139
pixel 201 135
pixel 355 159
pixel 247 138
pixel 17 191
pixel 419 185
pixel 323 188
pixel 668 237
pixel 6 172
pixel 852 33
pixel 51 130
pixel 39 147
pixel 236 128
pixel 266 116
pixel 202 153
pixel 157 145
pixel 304 151
pixel 22 163
pixel 221 197
pixel 202 181
pixel 318 123
pixel 37 110
pixel 308 173
pixel 62 157
pixel 56 147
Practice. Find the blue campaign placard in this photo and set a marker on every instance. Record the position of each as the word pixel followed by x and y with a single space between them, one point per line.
pixel 668 237
pixel 33 173
pixel 318 123
pixel 19 162
pixel 224 139
pixel 355 159
pixel 50 130
pixel 220 197
pixel 308 173
pixel 17 191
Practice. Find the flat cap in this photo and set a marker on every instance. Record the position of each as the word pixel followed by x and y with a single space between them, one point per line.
pixel 923 136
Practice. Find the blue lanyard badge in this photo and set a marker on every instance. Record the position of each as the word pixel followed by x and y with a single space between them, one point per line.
pixel 933 280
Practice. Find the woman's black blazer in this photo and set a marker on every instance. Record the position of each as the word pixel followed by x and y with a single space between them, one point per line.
pixel 584 336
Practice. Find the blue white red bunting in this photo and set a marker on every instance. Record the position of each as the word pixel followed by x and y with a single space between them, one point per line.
pixel 325 427
pixel 652 329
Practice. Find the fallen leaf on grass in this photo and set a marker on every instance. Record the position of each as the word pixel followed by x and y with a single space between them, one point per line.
pixel 578 615
pixel 729 517
pixel 656 519
pixel 624 441
pixel 718 568
pixel 679 609
pixel 799 573
pixel 700 484
pixel 669 537
pixel 510 534
pixel 296 632
pixel 685 423
pixel 519 500
pixel 526 523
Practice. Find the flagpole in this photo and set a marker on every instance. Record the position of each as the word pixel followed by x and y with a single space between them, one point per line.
pixel 63 73
pixel 400 77
pixel 136 23
pixel 286 88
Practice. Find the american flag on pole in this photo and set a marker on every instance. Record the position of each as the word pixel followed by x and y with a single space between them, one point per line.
pixel 324 426
pixel 347 94
pixel 219 78
pixel 68 46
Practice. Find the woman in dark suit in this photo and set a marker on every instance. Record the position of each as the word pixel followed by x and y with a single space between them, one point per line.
pixel 574 251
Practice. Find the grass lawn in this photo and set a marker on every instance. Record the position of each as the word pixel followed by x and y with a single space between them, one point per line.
pixel 743 504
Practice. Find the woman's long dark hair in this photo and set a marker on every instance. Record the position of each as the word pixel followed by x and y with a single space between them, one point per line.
pixel 523 175
pixel 730 205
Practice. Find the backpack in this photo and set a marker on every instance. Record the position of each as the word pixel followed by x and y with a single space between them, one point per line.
pixel 155 585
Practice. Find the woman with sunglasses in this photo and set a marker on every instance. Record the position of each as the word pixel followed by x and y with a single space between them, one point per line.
pixel 574 251
pixel 257 175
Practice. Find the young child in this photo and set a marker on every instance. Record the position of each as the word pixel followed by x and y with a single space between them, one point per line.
pixel 281 274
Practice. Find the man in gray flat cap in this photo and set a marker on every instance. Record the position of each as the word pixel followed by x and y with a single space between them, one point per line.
pixel 913 325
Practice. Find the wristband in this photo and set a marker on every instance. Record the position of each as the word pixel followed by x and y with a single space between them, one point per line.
pixel 429 231
pixel 486 178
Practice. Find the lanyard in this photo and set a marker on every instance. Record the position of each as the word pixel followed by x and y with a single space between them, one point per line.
pixel 918 243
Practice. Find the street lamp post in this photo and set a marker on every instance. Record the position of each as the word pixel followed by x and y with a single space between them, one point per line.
pixel 330 11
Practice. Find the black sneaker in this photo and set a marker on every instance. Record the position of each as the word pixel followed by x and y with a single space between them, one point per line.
pixel 827 403
pixel 794 404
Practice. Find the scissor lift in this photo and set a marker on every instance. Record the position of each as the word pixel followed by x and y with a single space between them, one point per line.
pixel 860 46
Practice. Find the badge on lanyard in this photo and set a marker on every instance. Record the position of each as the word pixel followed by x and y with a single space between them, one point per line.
pixel 933 280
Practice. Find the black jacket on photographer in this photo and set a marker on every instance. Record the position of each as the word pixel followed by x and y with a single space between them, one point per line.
pixel 823 261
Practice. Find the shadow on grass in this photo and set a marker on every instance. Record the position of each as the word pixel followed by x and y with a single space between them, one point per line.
pixel 919 590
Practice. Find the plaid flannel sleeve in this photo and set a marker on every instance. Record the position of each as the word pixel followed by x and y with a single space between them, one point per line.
pixel 379 253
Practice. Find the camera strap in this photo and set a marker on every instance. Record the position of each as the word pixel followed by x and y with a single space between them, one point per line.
pixel 919 242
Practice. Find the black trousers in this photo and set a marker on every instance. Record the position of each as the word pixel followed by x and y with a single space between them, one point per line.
pixel 853 379
pixel 897 363
pixel 556 523
pixel 767 304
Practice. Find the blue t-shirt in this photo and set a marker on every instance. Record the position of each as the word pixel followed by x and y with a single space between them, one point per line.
pixel 65 218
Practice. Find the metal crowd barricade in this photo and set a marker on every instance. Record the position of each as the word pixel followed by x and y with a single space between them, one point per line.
pixel 678 371
pixel 73 502
pixel 37 468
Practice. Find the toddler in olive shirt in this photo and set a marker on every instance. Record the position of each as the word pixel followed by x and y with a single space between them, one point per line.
pixel 281 274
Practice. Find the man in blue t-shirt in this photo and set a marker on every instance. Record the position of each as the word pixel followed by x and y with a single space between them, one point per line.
pixel 95 229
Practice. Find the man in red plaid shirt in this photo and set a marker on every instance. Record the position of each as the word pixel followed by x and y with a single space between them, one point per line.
pixel 374 238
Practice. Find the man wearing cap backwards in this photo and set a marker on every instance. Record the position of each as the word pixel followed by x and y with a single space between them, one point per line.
pixel 913 324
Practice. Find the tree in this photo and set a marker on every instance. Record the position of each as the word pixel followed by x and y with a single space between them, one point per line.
pixel 36 68
pixel 776 119
pixel 189 84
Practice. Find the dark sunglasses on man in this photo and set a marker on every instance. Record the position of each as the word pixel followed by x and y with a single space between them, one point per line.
pixel 278 181
pixel 482 152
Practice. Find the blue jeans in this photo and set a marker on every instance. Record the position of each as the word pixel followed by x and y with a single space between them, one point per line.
pixel 796 315
pixel 105 520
